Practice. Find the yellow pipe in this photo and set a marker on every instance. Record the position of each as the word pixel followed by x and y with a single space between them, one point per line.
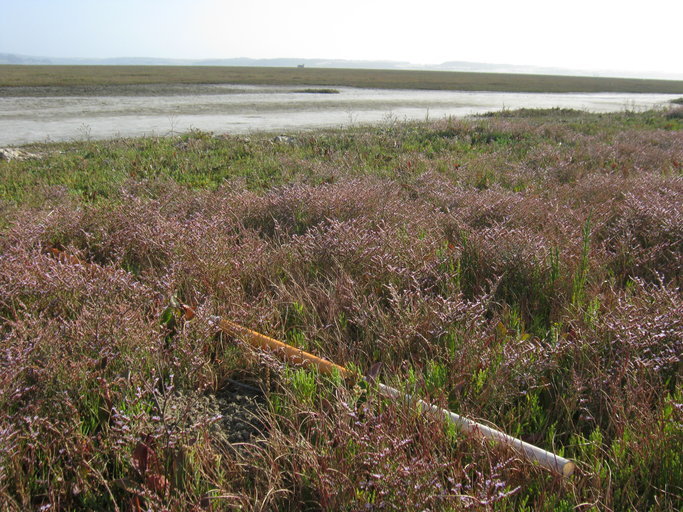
pixel 548 460
pixel 293 354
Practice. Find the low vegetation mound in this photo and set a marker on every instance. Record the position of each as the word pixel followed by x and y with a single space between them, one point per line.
pixel 523 269
pixel 319 91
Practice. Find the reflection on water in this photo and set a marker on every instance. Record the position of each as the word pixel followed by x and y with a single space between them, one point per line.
pixel 241 109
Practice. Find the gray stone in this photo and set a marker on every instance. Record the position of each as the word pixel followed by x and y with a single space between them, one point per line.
pixel 15 154
pixel 285 139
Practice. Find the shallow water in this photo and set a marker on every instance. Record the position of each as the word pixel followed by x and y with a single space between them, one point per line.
pixel 40 115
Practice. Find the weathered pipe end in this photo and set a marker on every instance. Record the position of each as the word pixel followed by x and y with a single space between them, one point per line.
pixel 568 469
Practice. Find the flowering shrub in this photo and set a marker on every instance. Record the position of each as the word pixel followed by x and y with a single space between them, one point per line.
pixel 520 269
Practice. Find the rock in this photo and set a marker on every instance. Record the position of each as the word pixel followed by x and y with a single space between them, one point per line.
pixel 15 154
pixel 240 407
pixel 285 139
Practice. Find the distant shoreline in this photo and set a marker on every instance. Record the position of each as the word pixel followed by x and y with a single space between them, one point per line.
pixel 85 77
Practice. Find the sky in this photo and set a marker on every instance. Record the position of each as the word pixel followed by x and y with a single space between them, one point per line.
pixel 626 35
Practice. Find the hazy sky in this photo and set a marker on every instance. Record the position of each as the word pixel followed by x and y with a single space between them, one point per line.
pixel 581 34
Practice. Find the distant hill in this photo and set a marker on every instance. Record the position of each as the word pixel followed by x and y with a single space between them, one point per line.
pixel 8 58
pixel 477 67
